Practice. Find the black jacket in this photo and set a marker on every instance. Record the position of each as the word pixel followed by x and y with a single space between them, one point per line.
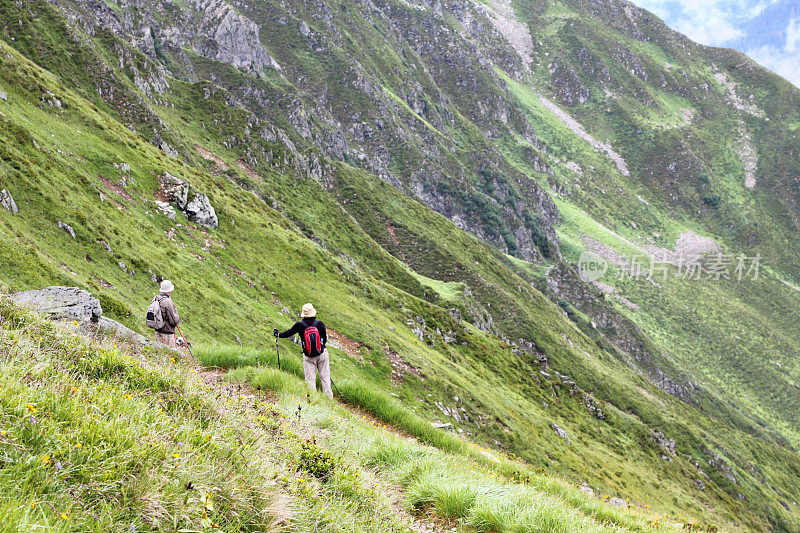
pixel 300 327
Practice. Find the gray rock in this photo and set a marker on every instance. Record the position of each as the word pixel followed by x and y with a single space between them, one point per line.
pixel 176 190
pixel 61 303
pixel 3 96
pixel 560 432
pixel 115 328
pixel 617 502
pixel 167 209
pixel 7 201
pixel 67 228
pixel 235 37
pixel 200 211
pixel 304 29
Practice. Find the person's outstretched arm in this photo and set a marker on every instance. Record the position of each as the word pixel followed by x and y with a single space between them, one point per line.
pixel 289 332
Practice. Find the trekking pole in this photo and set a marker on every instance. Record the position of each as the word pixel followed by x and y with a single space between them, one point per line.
pixel 184 341
pixel 336 388
pixel 277 349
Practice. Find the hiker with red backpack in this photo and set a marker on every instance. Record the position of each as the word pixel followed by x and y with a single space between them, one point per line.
pixel 313 338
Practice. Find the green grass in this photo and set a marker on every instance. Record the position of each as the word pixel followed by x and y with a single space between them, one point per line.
pixel 282 237
pixel 121 439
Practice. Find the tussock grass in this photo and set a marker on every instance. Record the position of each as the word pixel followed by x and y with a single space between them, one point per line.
pixel 230 356
pixel 391 411
pixel 95 436
pixel 440 474
pixel 270 378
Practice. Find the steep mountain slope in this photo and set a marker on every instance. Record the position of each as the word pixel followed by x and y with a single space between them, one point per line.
pixel 323 137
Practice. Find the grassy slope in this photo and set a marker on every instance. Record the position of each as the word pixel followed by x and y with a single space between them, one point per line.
pixel 121 439
pixel 234 271
pixel 731 336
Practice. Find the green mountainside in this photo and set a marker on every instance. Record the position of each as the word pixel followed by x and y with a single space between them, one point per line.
pixel 429 175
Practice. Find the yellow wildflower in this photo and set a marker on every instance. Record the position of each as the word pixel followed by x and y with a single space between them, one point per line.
pixel 176 455
pixel 46 459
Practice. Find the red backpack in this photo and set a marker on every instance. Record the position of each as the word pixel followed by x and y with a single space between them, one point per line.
pixel 312 343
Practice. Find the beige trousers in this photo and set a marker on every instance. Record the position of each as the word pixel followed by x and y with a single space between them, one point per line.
pixel 321 364
pixel 167 339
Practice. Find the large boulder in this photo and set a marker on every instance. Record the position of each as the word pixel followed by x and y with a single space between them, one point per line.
pixel 72 303
pixel 61 303
pixel 200 211
pixel 123 332
pixel 194 205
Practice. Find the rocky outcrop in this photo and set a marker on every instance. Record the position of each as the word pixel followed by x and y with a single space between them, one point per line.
pixel 61 303
pixel 231 37
pixel 8 203
pixel 113 327
pixel 194 205
pixel 166 209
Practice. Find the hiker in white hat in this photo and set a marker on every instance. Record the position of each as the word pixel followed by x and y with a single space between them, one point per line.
pixel 313 338
pixel 162 315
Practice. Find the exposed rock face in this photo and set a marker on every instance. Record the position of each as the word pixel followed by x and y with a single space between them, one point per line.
pixel 72 303
pixel 8 203
pixel 176 190
pixel 667 445
pixel 115 328
pixel 61 303
pixel 233 37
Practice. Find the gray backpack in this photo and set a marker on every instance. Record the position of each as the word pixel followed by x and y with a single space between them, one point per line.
pixel 154 318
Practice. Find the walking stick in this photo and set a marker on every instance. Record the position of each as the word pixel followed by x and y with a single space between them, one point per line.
pixel 277 349
pixel 184 341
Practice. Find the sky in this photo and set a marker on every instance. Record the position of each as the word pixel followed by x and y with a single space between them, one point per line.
pixel 766 30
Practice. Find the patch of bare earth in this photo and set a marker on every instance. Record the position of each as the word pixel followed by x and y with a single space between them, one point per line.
pixel 115 188
pixel 689 245
pixel 340 342
pixel 252 174
pixel 208 156
pixel 400 368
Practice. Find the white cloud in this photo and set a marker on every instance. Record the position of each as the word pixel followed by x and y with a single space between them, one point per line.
pixel 793 36
pixel 710 28
pixel 711 22
pixel 779 61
